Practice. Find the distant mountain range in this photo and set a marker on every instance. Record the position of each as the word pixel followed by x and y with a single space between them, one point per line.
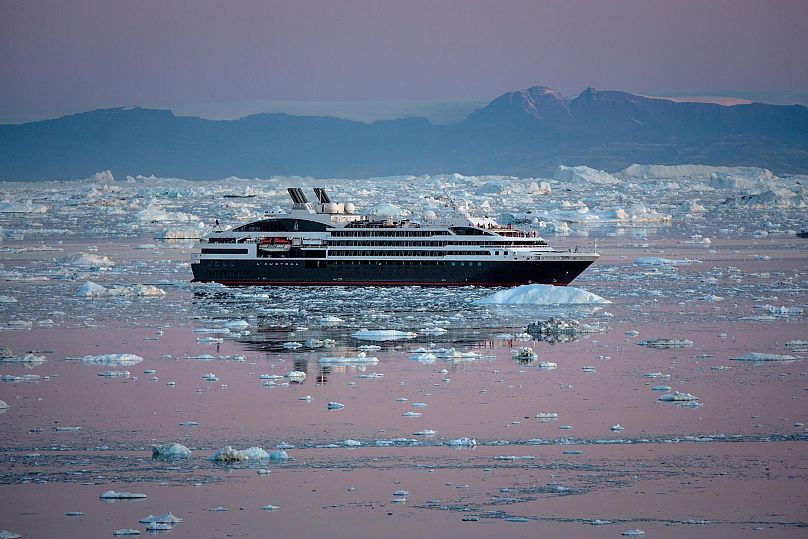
pixel 525 133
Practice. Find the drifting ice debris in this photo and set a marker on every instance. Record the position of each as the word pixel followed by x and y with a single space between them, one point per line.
pixel 411 414
pixel 361 357
pixel 797 346
pixel 228 454
pixel 331 321
pixel 364 347
pixel 91 290
pixel 298 377
pixel 433 332
pixel 292 345
pixel 424 357
pixel 666 343
pixel 238 325
pixel 112 495
pixel 126 531
pixel 656 261
pixel 547 416
pixel 114 374
pixel 5 534
pixel 542 294
pixel 112 360
pixel 209 340
pixel 677 396
pixel 28 360
pixel 524 354
pixel 462 442
pixel 633 533
pixel 335 405
pixel 351 443
pixel 210 377
pixel 425 432
pixel 618 427
pixel 3 405
pixel 548 365
pixel 170 451
pixel 557 330
pixel 270 507
pixel 759 356
pixel 383 335
pixel 166 518
pixel 782 311
pixel 661 388
pixel 306 398
pixel 278 455
pixel 159 526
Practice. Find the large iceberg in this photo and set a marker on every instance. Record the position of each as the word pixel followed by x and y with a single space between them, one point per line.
pixel 583 174
pixel 542 294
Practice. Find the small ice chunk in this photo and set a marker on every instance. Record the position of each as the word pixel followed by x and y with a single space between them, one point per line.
pixel 383 335
pixel 112 360
pixel 114 374
pixel 666 343
pixel 759 356
pixel 278 455
pixel 425 432
pixel 548 365
pixel 335 405
pixel 270 507
pixel 166 518
pixel 677 396
pixel 618 427
pixel 633 533
pixel 331 321
pixel 351 443
pixel 126 531
pixel 462 442
pixel 112 495
pixel 298 377
pixel 293 345
pixel 170 451
pixel 411 414
pixel 238 325
pixel 228 454
pixel 360 358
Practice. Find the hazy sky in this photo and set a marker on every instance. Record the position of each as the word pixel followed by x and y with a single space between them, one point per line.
pixel 58 57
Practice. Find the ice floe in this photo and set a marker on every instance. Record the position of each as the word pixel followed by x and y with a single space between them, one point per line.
pixel 359 359
pixel 383 335
pixel 761 356
pixel 113 495
pixel 112 360
pixel 91 290
pixel 542 294
pixel 228 454
pixel 170 451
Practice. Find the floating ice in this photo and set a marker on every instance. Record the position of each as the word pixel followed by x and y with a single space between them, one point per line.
pixel 360 358
pixel 542 294
pixel 548 365
pixel 677 396
pixel 91 290
pixel 383 335
pixel 87 260
pixel 425 432
pixel 112 495
pixel 114 374
pixel 209 340
pixel 411 414
pixel 126 531
pixel 584 175
pixel 112 360
pixel 656 261
pixel 633 533
pixel 166 518
pixel 270 507
pixel 462 442
pixel 228 454
pixel 3 405
pixel 760 356
pixel 170 451
pixel 618 427
pixel 351 443
pixel 292 345
pixel 278 455
pixel 666 343
pixel 238 325
pixel 335 405
pixel 7 206
pixel 297 377
pixel 525 353
pixel 331 321
pixel 558 330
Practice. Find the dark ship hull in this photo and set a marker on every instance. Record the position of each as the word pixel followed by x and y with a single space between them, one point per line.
pixel 388 272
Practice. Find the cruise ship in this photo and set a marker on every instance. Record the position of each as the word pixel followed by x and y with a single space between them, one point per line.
pixel 327 243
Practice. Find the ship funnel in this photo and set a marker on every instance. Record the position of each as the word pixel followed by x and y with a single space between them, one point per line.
pixel 322 196
pixel 297 195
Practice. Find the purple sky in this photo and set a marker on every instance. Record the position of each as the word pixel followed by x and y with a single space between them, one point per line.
pixel 61 57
